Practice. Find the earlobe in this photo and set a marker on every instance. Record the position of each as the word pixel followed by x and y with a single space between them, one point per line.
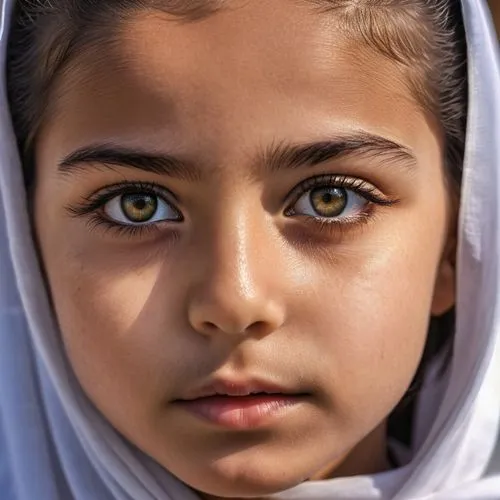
pixel 445 286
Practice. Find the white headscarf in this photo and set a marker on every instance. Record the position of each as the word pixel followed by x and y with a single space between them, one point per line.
pixel 55 446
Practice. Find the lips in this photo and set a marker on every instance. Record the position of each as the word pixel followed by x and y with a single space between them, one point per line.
pixel 241 404
pixel 222 387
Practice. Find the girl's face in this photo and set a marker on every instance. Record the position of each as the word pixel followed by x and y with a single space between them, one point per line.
pixel 246 203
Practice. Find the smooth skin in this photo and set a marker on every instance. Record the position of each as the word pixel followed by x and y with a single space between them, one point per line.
pixel 236 273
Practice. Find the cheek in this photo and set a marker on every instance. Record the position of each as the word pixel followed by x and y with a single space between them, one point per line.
pixel 118 315
pixel 372 320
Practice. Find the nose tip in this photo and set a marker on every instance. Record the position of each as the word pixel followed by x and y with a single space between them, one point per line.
pixel 233 315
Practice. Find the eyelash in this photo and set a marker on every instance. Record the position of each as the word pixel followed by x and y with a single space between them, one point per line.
pixel 92 205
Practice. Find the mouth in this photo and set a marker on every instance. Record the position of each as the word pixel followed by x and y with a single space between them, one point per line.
pixel 241 404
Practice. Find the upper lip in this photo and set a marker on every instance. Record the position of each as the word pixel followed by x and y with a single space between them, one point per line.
pixel 226 387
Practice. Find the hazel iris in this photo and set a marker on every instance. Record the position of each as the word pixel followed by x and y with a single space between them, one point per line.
pixel 139 207
pixel 329 201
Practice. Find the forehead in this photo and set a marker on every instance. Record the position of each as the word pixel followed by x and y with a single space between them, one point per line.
pixel 273 64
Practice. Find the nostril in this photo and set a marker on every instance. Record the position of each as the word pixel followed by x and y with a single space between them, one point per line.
pixel 261 328
pixel 209 327
pixel 258 328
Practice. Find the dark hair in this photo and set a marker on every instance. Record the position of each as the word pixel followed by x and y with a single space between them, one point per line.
pixel 425 38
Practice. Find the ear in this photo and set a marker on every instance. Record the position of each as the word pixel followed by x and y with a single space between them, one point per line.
pixel 445 286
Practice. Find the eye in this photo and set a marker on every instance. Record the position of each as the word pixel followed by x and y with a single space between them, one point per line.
pixel 329 202
pixel 140 208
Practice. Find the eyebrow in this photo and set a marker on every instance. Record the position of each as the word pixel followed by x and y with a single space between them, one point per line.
pixel 113 156
pixel 277 157
pixel 361 144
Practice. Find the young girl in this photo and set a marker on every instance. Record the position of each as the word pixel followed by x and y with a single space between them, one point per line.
pixel 249 249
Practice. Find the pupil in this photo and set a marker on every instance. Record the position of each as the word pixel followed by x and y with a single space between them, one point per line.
pixel 140 204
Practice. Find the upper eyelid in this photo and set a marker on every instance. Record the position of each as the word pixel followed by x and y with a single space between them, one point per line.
pixel 120 188
pixel 341 179
pixel 108 193
pixel 354 183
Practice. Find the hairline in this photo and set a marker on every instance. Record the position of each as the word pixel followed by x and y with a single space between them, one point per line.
pixel 96 36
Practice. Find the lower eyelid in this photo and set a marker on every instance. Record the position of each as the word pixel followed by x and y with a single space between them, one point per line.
pixel 101 223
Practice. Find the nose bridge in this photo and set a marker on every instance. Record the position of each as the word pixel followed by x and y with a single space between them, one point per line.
pixel 236 238
pixel 235 290
pixel 235 256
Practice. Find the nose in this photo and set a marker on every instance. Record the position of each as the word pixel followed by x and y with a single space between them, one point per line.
pixel 237 290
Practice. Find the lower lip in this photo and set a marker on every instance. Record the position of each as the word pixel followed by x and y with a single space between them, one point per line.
pixel 241 412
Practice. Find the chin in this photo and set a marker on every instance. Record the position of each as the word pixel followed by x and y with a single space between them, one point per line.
pixel 235 489
pixel 245 480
